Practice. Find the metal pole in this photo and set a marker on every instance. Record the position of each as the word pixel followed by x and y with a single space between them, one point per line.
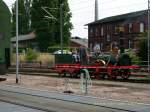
pixel 96 10
pixel 17 62
pixel 86 83
pixel 61 28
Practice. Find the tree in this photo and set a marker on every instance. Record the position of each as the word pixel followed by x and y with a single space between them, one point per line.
pixel 66 20
pixel 28 5
pixel 143 51
pixel 48 30
pixel 23 22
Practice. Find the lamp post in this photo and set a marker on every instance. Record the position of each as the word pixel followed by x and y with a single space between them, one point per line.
pixel 17 61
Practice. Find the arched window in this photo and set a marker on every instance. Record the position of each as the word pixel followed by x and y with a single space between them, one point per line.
pixel 141 27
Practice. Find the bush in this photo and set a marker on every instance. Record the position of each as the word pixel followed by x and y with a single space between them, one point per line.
pixel 31 55
pixel 45 58
pixel 134 57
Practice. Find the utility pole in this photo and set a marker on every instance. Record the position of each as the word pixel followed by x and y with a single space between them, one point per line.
pixel 61 28
pixel 17 61
pixel 148 35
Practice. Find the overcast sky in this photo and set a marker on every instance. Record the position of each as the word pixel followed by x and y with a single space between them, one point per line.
pixel 83 11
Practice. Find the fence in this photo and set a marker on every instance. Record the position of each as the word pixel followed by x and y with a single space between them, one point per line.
pixel 43 60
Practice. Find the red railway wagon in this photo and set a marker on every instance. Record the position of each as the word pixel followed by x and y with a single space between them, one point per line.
pixel 97 71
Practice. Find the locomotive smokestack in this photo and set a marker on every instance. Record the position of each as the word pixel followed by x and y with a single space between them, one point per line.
pixel 96 10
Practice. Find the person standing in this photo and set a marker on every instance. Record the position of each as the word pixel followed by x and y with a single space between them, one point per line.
pixel 97 49
pixel 83 55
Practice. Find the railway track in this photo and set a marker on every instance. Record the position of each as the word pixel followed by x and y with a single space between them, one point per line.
pixel 48 104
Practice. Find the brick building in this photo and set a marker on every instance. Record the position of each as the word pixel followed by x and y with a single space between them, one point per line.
pixel 122 30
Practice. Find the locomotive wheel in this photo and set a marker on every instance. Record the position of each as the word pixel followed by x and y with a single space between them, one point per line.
pixel 125 74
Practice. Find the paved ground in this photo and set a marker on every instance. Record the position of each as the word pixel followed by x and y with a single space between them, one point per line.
pixel 131 90
pixel 49 102
pixel 7 107
pixel 58 102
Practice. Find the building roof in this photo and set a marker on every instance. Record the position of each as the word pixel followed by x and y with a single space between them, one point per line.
pixel 83 42
pixel 24 37
pixel 127 16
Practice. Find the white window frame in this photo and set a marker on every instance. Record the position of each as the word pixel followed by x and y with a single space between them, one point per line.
pixel 130 27
pixel 108 38
pixel 141 27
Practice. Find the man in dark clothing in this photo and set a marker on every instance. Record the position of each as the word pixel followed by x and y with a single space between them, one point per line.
pixel 83 55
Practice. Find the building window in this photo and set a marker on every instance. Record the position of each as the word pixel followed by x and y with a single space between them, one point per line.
pixel 130 27
pixel 121 29
pixel 141 27
pixel 102 31
pixel 91 46
pixel 91 31
pixel 101 46
pixel 108 38
pixel 130 44
pixel 107 27
pixel 96 32
pixel 116 29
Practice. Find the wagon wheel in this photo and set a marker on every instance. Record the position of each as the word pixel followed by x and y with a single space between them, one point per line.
pixel 76 74
pixel 73 74
pixel 102 76
pixel 60 74
pixel 113 75
pixel 97 76
pixel 125 74
pixel 63 73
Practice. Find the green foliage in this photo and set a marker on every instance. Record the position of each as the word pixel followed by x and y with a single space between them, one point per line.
pixel 48 30
pixel 23 18
pixel 31 55
pixel 143 50
pixel 134 57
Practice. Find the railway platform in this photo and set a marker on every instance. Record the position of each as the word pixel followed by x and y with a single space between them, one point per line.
pixel 60 102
